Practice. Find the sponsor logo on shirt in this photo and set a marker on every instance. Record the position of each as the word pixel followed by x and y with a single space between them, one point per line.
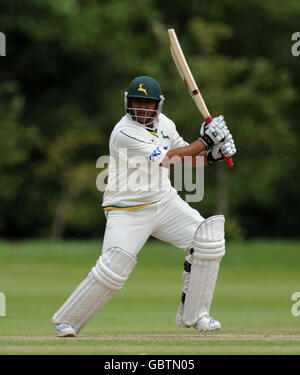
pixel 155 154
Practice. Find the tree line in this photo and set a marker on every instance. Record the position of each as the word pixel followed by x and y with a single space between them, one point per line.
pixel 62 86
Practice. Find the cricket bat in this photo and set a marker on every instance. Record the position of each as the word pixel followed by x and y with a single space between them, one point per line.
pixel 189 81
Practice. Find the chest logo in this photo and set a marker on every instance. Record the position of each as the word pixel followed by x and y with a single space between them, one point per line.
pixel 155 154
pixel 165 136
pixel 142 89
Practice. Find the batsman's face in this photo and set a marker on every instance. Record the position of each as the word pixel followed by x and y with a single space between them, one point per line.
pixel 143 109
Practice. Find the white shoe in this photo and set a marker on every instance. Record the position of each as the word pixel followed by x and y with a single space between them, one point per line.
pixel 65 330
pixel 207 323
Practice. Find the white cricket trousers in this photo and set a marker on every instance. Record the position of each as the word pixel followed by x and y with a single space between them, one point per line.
pixel 171 220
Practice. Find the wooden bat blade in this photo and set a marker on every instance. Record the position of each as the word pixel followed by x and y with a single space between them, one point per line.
pixel 181 61
pixel 187 77
pixel 177 64
pixel 186 74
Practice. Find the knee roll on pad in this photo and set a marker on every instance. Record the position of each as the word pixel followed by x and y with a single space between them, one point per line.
pixel 209 242
pixel 114 267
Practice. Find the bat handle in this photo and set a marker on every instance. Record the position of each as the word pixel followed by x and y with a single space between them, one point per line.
pixel 228 161
pixel 208 120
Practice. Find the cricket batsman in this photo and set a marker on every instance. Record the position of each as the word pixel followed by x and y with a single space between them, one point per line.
pixel 145 143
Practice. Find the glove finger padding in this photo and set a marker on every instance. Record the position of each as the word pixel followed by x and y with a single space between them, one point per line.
pixel 228 149
pixel 214 132
pixel 217 132
pixel 228 138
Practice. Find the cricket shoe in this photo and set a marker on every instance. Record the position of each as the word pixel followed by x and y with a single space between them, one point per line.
pixel 205 323
pixel 65 330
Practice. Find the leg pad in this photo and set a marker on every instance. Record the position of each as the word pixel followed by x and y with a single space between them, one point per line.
pixel 209 248
pixel 105 279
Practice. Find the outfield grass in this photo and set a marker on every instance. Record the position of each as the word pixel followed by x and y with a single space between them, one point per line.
pixel 252 300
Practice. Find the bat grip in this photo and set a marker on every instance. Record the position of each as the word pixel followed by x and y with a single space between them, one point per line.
pixel 228 161
pixel 208 120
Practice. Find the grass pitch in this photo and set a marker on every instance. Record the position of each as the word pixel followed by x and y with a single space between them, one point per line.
pixel 252 300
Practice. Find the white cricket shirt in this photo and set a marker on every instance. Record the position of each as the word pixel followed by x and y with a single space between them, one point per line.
pixel 135 178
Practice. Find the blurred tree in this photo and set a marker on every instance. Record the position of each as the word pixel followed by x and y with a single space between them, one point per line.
pixel 72 62
pixel 12 152
pixel 233 51
pixel 62 88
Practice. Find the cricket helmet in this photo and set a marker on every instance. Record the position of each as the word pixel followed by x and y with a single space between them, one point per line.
pixel 147 88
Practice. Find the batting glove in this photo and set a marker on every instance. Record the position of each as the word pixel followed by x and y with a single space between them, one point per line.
pixel 228 148
pixel 214 132
pixel 225 148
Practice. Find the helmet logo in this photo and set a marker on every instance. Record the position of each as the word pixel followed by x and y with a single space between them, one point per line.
pixel 141 89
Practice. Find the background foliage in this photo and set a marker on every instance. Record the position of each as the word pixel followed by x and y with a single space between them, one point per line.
pixel 62 84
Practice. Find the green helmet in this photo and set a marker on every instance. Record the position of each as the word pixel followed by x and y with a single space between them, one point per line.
pixel 147 88
pixel 144 87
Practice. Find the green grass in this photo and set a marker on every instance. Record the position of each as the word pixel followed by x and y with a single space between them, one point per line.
pixel 252 300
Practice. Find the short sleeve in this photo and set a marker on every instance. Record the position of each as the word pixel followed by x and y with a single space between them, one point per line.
pixel 129 144
pixel 177 141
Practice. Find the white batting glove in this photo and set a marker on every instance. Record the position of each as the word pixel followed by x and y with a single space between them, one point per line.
pixel 224 148
pixel 228 148
pixel 214 132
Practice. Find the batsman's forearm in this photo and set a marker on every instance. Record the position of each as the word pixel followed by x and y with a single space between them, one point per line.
pixel 197 161
pixel 191 150
pixel 204 155
pixel 176 156
pixel 179 153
